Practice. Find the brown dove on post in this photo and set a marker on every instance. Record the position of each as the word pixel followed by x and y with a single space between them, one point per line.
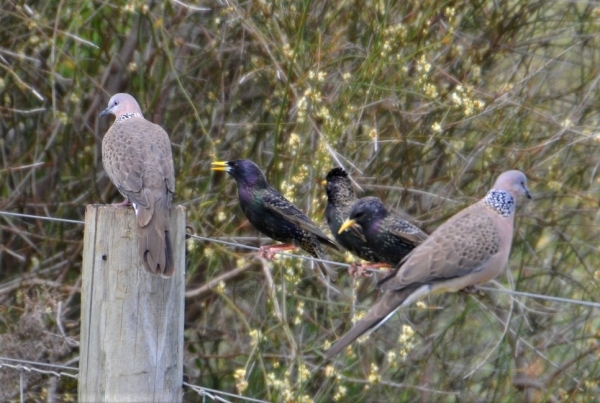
pixel 472 247
pixel 136 155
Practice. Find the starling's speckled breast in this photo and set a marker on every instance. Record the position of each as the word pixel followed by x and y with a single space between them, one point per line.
pixel 271 213
pixel 390 237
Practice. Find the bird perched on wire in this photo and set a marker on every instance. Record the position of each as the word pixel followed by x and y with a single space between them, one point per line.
pixel 472 247
pixel 137 157
pixel 273 215
pixel 389 237
pixel 340 200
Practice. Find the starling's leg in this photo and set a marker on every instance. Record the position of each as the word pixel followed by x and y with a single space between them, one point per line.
pixel 356 270
pixel 124 203
pixel 362 269
pixel 268 251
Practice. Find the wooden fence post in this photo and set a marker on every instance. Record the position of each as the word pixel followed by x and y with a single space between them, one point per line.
pixel 131 346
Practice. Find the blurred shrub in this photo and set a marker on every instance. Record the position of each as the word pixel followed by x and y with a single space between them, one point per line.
pixel 423 102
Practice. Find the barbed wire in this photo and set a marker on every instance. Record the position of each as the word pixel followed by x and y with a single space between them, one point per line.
pixel 314 259
pixel 25 366
pixel 212 394
pixel 38 217
pixel 540 296
pixel 31 366
pixel 499 290
pixel 240 245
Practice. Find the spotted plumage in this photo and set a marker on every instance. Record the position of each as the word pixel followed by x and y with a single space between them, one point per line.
pixel 340 198
pixel 502 202
pixel 472 247
pixel 272 214
pixel 388 236
pixel 126 116
pixel 136 155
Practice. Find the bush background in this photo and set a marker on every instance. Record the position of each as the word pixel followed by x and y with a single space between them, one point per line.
pixel 423 102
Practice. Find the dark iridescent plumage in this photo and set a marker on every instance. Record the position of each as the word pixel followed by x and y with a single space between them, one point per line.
pixel 272 214
pixel 390 237
pixel 340 198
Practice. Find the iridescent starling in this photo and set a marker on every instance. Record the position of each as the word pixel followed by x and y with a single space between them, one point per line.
pixel 390 237
pixel 340 198
pixel 273 215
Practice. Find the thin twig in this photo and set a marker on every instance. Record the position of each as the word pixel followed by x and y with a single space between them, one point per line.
pixel 210 285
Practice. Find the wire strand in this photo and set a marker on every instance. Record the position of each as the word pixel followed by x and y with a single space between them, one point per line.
pixel 540 296
pixel 37 217
pixel 202 391
pixel 41 364
pixel 19 365
pixel 240 245
pixel 31 367
pixel 314 259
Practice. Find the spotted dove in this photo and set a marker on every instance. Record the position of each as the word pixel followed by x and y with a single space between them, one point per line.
pixel 137 157
pixel 472 247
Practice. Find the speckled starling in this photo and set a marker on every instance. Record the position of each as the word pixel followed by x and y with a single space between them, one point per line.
pixel 340 198
pixel 273 215
pixel 390 237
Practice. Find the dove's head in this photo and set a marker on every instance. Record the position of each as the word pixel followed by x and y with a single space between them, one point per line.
pixel 121 104
pixel 514 182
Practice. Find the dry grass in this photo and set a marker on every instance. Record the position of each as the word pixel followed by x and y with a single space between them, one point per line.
pixel 424 102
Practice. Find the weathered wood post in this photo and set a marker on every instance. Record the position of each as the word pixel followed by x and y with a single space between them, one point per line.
pixel 131 346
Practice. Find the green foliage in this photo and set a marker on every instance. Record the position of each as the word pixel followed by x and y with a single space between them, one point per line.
pixel 423 102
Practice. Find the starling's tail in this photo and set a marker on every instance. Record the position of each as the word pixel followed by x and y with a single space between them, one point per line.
pixel 379 313
pixel 325 267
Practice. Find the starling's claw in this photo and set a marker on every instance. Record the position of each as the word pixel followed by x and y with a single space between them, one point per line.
pixel 363 271
pixel 266 252
pixel 358 269
pixel 269 251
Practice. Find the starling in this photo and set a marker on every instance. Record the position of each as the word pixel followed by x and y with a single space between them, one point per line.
pixel 340 198
pixel 273 215
pixel 389 237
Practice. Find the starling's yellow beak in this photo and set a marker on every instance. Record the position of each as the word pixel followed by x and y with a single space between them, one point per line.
pixel 219 166
pixel 345 225
pixel 324 182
